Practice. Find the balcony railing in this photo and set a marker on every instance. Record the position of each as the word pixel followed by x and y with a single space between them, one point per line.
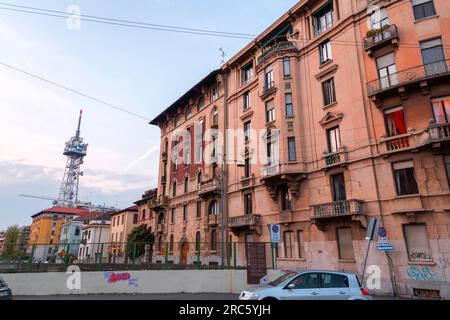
pixel 339 208
pixel 270 170
pixel 381 37
pixel 159 202
pixel 281 46
pixel 249 220
pixel 439 133
pixel 160 228
pixel 209 187
pixel 247 182
pixel 336 158
pixel 409 76
pixel 408 141
pixel 213 220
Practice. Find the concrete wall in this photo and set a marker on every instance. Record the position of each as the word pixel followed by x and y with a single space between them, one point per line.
pixel 202 281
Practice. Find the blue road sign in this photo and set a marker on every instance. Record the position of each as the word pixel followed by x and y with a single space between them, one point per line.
pixel 385 248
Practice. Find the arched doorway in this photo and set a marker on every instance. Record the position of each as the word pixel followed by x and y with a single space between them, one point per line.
pixel 184 249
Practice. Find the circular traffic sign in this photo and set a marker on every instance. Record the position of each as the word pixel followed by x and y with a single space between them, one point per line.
pixel 382 233
pixel 275 228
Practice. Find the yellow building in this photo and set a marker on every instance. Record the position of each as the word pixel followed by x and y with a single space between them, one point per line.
pixel 46 229
pixel 122 223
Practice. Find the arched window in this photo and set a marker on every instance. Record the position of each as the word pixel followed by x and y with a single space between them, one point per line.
pixel 199 178
pixel 213 208
pixel 186 185
pixel 213 240
pixel 174 189
pixel 197 241
pixel 160 244
pixel 188 112
pixel 171 243
pixel 201 103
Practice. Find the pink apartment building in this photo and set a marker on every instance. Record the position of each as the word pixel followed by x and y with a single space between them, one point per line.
pixel 341 112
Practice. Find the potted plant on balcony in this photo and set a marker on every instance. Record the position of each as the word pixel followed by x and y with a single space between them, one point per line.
pixel 374 32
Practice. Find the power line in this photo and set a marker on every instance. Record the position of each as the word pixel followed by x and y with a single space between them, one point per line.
pixel 126 23
pixel 130 21
pixel 74 91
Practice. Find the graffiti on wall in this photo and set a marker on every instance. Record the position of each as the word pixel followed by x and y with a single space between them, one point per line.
pixel 422 256
pixel 422 274
pixel 114 277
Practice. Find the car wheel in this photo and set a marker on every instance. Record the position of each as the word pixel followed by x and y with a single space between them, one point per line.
pixel 269 299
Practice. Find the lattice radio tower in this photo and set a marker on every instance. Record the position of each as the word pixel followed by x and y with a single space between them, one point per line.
pixel 75 151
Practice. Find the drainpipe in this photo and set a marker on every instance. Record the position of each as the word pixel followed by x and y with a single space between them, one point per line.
pixel 223 191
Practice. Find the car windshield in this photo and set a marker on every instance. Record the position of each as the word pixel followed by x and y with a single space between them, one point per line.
pixel 282 279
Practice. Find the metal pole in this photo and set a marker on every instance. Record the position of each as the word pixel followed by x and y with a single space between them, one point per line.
pixel 166 259
pixel 234 255
pixel 100 258
pixel 30 261
pixel 198 256
pixel 365 262
pixel 274 263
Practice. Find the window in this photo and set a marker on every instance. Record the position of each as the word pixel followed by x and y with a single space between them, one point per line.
pixel 301 244
pixel 123 218
pixel 291 149
pixel 246 100
pixel 247 130
pixel 433 56
pixel 441 110
pixel 214 93
pixel 248 207
pixel 199 179
pixel 188 112
pixel 286 67
pixel 405 178
pixel 270 111
pixel 285 198
pixel 215 117
pixel 333 140
pixel 268 78
pixel 213 208
pixel 247 73
pixel 199 129
pixel 329 94
pixel 306 281
pixel 423 8
pixel 135 218
pixel 447 168
pixel 176 120
pixel 325 51
pixel 345 243
pixel 387 70
pixel 144 214
pixel 199 209
pixel 172 215
pixel 201 103
pixel 395 122
pixel 185 213
pixel 197 241
pixel 171 243
pixel 323 19
pixel 186 185
pixel 77 232
pixel 213 240
pixel 329 280
pixel 174 189
pixel 247 168
pixel 288 244
pixel 379 19
pixel 288 104
pixel 417 245
pixel 338 187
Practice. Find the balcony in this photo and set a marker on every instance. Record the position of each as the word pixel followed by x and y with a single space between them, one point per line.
pixel 439 133
pixel 280 49
pixel 377 38
pixel 248 182
pixel 209 188
pixel 338 158
pixel 419 77
pixel 160 228
pixel 268 89
pixel 339 209
pixel 410 141
pixel 249 221
pixel 213 220
pixel 161 201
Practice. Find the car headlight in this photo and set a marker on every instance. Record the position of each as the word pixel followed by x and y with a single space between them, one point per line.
pixel 249 295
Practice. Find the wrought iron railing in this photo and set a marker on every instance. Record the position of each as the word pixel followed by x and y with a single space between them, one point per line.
pixel 244 221
pixel 276 48
pixel 339 208
pixel 382 36
pixel 407 76
pixel 439 132
pixel 335 158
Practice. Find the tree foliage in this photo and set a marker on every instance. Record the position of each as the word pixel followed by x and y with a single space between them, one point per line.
pixel 139 237
pixel 11 249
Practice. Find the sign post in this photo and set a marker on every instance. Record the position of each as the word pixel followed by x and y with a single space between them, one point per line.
pixel 275 238
pixel 372 230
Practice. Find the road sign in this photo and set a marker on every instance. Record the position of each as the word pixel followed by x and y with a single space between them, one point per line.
pixel 383 242
pixel 382 233
pixel 385 248
pixel 275 233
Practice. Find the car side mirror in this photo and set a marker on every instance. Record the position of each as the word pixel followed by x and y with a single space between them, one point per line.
pixel 291 286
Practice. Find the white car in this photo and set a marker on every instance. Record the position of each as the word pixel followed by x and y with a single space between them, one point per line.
pixel 309 285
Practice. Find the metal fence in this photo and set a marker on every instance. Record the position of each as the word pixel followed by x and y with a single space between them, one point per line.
pixel 130 256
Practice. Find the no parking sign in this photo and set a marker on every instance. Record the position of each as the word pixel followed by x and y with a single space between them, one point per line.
pixel 275 233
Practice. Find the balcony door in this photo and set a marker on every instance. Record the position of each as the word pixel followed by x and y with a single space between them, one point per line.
pixel 338 187
pixel 387 71
pixel 441 110
pixel 395 122
pixel 433 56
pixel 378 21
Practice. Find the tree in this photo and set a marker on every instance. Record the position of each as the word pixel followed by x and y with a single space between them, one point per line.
pixel 10 248
pixel 139 237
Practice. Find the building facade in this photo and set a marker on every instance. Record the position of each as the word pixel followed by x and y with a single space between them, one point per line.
pixel 341 111
pixel 2 241
pixel 145 213
pixel 122 223
pixel 95 236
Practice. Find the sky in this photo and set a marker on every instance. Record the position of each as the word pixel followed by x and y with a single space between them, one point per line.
pixel 140 70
